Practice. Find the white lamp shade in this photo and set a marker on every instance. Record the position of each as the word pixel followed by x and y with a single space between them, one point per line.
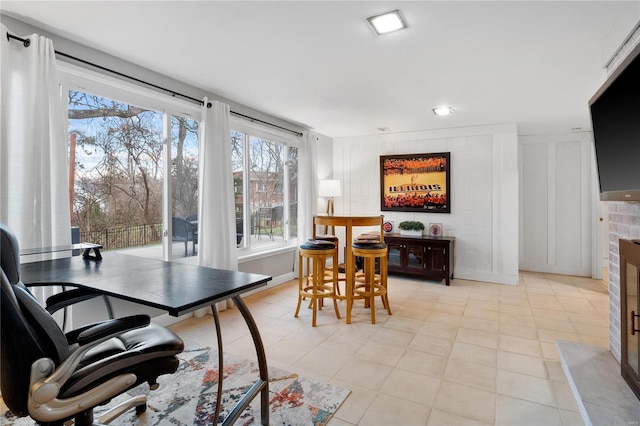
pixel 329 188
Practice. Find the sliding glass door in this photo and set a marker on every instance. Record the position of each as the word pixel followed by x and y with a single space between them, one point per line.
pixel 116 171
pixel 184 186
pixel 129 190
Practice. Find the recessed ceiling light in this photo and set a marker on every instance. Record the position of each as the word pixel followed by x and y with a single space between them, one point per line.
pixel 443 110
pixel 387 22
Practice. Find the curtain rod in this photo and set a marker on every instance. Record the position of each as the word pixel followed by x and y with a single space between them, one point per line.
pixel 247 117
pixel 26 43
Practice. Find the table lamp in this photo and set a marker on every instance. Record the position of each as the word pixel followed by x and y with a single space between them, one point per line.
pixel 329 188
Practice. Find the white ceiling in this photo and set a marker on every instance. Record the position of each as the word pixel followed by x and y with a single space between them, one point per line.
pixel 319 63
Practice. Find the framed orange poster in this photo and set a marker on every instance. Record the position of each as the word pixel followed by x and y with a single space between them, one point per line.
pixel 415 183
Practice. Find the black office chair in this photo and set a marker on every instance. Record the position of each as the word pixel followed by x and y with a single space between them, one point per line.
pixel 55 377
pixel 277 217
pixel 239 231
pixel 262 217
pixel 183 231
pixel 193 220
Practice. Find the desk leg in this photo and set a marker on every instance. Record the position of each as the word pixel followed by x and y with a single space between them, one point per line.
pixel 262 385
pixel 216 321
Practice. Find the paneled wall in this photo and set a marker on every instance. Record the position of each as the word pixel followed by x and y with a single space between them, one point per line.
pixel 483 194
pixel 555 203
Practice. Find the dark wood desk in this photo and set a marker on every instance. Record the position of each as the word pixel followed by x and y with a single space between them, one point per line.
pixel 173 287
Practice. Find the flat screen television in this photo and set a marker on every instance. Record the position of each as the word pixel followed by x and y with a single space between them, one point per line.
pixel 615 116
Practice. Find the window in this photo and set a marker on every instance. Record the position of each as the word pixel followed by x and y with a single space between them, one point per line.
pixel 129 188
pixel 184 166
pixel 117 168
pixel 265 166
pixel 293 191
pixel 184 186
pixel 126 186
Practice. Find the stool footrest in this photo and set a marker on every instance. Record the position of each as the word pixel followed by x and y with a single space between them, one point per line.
pixel 367 289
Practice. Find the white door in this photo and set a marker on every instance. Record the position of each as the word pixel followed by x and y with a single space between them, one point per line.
pixel 556 204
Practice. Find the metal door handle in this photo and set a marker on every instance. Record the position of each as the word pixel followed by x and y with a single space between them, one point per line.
pixel 633 322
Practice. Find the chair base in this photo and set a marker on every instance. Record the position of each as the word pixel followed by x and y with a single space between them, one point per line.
pixel 86 418
pixel 139 402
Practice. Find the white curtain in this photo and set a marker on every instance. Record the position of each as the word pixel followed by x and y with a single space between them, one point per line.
pixel 307 189
pixel 216 211
pixel 34 194
pixel 308 186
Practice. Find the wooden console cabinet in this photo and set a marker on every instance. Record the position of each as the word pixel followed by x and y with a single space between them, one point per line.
pixel 424 257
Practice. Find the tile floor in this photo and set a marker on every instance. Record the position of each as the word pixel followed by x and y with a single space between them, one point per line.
pixel 473 353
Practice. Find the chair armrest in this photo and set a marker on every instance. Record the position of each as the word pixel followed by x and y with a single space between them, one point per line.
pixel 112 327
pixel 90 332
pixel 69 297
pixel 49 284
pixel 65 298
pixel 46 382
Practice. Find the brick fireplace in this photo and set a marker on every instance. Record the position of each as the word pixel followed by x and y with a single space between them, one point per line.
pixel 624 223
pixel 630 312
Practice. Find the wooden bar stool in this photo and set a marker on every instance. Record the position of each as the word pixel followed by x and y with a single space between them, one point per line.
pixel 313 284
pixel 370 285
pixel 328 271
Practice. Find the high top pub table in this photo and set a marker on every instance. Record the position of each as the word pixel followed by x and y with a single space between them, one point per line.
pixel 348 222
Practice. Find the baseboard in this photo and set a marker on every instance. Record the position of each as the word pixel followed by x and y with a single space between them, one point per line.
pixel 554 269
pixel 491 277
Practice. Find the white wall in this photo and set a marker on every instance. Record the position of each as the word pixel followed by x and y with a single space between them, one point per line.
pixel 483 193
pixel 555 203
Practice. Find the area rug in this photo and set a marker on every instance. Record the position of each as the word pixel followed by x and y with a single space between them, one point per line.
pixel 188 397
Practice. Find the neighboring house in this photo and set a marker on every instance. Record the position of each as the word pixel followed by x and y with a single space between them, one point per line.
pixel 266 189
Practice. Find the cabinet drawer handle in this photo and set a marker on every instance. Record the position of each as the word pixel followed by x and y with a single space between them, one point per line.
pixel 633 322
